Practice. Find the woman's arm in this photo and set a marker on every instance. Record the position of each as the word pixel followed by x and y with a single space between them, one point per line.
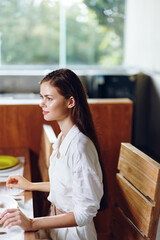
pixel 40 186
pixel 18 181
pixel 58 221
pixel 13 217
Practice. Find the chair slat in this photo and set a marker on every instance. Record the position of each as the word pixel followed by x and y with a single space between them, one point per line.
pixel 137 195
pixel 142 171
pixel 123 228
pixel 134 205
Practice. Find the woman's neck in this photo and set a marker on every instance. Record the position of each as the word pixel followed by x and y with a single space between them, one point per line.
pixel 65 126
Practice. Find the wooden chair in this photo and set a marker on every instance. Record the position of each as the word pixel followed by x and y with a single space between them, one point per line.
pixel 48 137
pixel 137 202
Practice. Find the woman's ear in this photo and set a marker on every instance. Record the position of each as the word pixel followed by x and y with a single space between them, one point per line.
pixel 71 102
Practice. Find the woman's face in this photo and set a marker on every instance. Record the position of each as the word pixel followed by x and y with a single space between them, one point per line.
pixel 54 106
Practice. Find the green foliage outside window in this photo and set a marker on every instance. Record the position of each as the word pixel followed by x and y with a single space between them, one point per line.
pixel 30 32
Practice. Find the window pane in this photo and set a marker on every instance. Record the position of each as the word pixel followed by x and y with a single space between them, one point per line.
pixel 30 31
pixel 95 32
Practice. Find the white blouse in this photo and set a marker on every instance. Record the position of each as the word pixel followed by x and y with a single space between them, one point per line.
pixel 76 177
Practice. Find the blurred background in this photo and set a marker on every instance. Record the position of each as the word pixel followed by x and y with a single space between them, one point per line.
pixel 113 46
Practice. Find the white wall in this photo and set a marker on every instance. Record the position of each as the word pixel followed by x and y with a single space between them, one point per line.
pixel 142 48
pixel 142 51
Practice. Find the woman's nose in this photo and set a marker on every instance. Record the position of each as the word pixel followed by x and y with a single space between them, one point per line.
pixel 42 103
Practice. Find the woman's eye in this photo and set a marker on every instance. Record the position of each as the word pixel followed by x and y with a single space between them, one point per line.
pixel 49 99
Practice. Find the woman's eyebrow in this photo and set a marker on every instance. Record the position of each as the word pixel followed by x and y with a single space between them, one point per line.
pixel 46 95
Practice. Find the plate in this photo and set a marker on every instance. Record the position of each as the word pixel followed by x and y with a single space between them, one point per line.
pixel 10 170
pixel 7 202
pixel 7 161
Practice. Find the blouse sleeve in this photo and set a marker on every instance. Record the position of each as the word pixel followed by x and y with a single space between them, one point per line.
pixel 87 188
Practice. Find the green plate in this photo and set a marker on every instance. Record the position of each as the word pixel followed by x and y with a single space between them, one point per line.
pixel 7 162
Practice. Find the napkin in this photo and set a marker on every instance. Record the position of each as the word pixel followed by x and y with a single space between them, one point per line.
pixel 12 233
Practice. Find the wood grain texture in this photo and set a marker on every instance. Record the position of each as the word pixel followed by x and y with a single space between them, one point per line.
pixel 134 205
pixel 113 124
pixel 123 229
pixel 137 193
pixel 141 170
pixel 21 126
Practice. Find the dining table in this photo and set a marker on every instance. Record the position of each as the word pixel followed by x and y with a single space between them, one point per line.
pixel 26 197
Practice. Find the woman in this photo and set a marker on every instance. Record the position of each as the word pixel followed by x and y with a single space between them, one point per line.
pixel 75 187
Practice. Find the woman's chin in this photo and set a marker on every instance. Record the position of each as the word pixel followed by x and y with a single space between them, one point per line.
pixel 47 118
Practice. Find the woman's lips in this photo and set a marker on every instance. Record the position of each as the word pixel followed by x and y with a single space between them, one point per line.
pixel 45 112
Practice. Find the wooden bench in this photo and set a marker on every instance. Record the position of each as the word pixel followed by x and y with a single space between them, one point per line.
pixel 137 201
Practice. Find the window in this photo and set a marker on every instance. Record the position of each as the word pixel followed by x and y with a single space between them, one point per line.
pixel 64 32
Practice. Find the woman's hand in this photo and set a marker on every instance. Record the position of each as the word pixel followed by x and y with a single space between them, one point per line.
pixel 18 181
pixel 14 217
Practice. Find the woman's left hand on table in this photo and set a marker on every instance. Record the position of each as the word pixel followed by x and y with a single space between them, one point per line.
pixel 14 217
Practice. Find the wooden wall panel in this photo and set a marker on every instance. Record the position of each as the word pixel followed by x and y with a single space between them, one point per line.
pixel 21 126
pixel 113 123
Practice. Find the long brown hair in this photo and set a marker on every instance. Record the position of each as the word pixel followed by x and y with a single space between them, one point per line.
pixel 68 84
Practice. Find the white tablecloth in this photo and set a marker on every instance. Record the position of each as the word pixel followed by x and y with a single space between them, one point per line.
pixel 15 233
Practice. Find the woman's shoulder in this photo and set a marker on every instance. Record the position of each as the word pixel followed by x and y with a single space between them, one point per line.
pixel 82 149
pixel 82 142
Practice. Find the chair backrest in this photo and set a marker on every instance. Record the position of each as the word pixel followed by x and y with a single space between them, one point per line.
pixel 137 201
pixel 48 137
